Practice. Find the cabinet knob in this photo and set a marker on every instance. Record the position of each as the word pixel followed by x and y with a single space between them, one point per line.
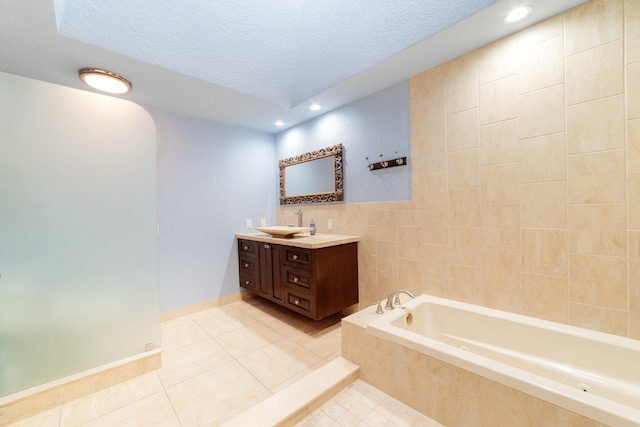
pixel 245 248
pixel 246 282
pixel 246 265
pixel 295 257
pixel 295 279
pixel 267 246
pixel 297 302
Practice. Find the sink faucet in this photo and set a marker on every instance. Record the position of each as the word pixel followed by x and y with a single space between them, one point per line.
pixel 396 294
pixel 299 213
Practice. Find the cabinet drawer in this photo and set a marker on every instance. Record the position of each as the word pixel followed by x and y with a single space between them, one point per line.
pixel 301 258
pixel 247 247
pixel 299 303
pixel 298 279
pixel 249 265
pixel 249 281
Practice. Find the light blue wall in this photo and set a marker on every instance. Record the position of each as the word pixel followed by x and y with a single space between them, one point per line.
pixel 377 124
pixel 211 177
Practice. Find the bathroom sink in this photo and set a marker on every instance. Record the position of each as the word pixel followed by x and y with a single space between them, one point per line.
pixel 283 231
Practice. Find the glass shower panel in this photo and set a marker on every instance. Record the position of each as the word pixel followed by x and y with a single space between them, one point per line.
pixel 78 234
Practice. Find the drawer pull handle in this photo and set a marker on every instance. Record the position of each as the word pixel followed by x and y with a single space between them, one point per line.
pixel 295 257
pixel 297 302
pixel 246 282
pixel 267 246
pixel 246 265
pixel 246 248
pixel 295 279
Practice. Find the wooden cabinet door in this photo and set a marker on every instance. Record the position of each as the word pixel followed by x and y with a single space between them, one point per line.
pixel 277 285
pixel 265 286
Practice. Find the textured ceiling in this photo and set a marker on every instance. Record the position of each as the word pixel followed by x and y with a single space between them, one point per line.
pixel 249 63
pixel 282 51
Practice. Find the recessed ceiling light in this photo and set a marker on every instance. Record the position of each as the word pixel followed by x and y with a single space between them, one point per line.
pixel 105 81
pixel 315 107
pixel 517 14
pixel 279 123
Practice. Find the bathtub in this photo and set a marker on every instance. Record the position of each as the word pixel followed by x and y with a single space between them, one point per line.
pixel 594 374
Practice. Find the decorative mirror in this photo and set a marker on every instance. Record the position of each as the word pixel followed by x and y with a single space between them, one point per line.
pixel 314 177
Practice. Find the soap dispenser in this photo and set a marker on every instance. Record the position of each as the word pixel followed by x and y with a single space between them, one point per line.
pixel 313 228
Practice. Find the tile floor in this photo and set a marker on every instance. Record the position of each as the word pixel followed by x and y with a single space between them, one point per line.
pixel 217 363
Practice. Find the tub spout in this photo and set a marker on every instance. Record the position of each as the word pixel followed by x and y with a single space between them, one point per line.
pixel 396 294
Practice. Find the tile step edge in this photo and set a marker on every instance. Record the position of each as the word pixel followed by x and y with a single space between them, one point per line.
pixel 293 403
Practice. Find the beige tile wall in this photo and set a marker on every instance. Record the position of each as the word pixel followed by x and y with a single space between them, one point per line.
pixel 525 159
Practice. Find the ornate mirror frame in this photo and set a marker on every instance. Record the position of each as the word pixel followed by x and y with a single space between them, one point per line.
pixel 336 196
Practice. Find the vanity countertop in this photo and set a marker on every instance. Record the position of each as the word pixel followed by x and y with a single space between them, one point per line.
pixel 304 240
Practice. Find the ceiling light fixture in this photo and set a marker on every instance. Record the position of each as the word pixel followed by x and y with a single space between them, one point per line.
pixel 279 123
pixel 105 81
pixel 517 14
pixel 315 107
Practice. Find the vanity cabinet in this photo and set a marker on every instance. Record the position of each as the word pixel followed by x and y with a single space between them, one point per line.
pixel 316 282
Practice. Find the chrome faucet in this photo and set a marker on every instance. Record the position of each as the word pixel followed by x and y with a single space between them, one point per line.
pixel 299 213
pixel 396 294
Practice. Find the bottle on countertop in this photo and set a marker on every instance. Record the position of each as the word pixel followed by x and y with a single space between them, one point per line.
pixel 313 228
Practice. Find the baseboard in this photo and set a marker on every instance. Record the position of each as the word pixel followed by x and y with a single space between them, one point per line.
pixel 205 305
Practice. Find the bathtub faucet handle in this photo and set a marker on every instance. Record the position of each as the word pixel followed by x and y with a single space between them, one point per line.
pixel 379 309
